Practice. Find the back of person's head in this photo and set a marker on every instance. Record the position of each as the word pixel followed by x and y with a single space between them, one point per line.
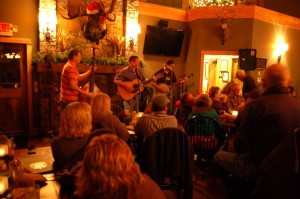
pixel 240 74
pixel 186 99
pixel 109 170
pixel 204 102
pixel 160 102
pixel 170 61
pixel 276 75
pixel 76 120
pixel 213 91
pixel 73 53
pixel 101 104
pixel 133 58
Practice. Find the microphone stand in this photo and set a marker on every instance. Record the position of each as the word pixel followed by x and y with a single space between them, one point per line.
pixel 171 91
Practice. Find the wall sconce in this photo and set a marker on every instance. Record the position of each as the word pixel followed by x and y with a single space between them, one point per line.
pixel 225 15
pixel 281 49
pixel 132 31
pixel 48 21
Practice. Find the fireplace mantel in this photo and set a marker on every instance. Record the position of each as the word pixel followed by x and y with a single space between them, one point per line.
pixel 101 69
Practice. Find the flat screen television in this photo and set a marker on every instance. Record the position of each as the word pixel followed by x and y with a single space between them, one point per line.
pixel 163 41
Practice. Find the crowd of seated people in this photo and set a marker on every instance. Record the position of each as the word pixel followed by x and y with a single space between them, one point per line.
pixel 257 134
pixel 264 123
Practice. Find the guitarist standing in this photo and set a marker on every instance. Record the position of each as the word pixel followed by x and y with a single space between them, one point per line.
pixel 128 80
pixel 164 84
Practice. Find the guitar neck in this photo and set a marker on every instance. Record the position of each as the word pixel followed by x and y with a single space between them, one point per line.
pixel 147 81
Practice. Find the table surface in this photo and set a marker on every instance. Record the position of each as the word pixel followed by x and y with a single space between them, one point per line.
pixel 52 188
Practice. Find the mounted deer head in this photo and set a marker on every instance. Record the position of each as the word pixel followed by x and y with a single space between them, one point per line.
pixel 95 28
pixel 225 15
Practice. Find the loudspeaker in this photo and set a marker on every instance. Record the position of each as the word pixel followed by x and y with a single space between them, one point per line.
pixel 163 23
pixel 247 59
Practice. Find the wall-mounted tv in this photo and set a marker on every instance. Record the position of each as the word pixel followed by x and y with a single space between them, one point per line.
pixel 163 41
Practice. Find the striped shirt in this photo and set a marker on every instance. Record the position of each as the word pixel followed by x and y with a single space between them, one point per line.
pixel 150 123
pixel 69 73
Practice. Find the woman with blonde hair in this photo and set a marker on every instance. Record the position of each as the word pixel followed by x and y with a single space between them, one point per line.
pixel 104 118
pixel 67 149
pixel 109 171
pixel 75 128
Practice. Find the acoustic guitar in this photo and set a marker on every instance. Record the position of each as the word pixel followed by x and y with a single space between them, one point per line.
pixel 135 85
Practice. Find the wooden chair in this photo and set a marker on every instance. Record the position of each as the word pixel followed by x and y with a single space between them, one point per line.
pixel 166 157
pixel 279 177
pixel 206 135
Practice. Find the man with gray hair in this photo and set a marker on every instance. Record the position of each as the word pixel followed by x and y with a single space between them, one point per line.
pixel 158 119
pixel 265 122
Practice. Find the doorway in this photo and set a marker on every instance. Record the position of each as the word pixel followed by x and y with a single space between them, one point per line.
pixel 217 69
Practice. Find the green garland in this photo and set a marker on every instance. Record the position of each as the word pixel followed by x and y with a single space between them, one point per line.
pixel 200 3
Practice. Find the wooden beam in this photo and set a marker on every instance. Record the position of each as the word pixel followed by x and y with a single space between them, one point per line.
pixel 242 12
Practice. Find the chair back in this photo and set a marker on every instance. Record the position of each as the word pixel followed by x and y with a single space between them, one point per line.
pixel 206 135
pixel 166 154
pixel 279 171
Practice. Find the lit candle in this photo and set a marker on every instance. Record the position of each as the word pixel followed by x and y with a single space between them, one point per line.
pixel 3 150
pixel 235 113
pixel 3 184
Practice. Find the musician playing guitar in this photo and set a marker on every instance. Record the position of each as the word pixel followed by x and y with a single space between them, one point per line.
pixel 69 89
pixel 128 82
pixel 168 77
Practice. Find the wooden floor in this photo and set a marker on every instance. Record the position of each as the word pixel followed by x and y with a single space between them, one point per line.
pixel 205 187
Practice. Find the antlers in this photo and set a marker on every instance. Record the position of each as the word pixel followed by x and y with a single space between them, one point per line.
pixel 71 9
pixel 225 15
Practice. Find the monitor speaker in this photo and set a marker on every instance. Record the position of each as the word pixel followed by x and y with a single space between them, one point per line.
pixel 247 59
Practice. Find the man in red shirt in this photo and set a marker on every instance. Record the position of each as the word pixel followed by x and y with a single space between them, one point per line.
pixel 69 89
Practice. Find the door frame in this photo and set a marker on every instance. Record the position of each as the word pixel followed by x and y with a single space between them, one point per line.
pixel 211 52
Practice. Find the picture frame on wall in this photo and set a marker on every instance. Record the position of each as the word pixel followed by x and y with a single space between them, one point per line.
pixel 224 65
pixel 225 76
pixel 261 63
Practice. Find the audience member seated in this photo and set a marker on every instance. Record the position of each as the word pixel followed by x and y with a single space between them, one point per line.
pixel 218 100
pixel 104 118
pixel 157 119
pixel 254 94
pixel 227 88
pixel 265 122
pixel 185 106
pixel 109 171
pixel 67 148
pixel 235 101
pixel 204 107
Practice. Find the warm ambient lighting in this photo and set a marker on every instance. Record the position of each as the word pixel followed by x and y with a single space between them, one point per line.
pixel 280 50
pixel 48 21
pixel 3 184
pixel 3 150
pixel 132 31
pixel 225 15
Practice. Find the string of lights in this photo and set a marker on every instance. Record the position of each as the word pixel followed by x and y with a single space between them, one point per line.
pixel 200 3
